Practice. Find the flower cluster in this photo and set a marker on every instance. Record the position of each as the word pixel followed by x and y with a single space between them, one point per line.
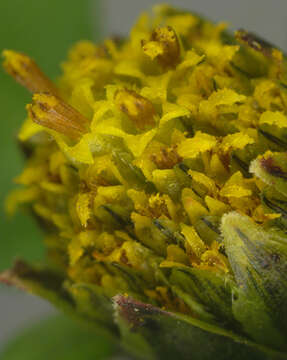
pixel 157 167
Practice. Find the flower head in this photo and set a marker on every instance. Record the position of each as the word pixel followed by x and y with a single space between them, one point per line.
pixel 139 169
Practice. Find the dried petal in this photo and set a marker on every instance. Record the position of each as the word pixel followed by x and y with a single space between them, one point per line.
pixel 27 73
pixel 49 111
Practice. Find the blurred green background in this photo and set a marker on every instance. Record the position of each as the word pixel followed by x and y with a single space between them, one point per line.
pixel 44 30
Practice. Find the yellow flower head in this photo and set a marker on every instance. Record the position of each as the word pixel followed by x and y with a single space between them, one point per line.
pixel 140 150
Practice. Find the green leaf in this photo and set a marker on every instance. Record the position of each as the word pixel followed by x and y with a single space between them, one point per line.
pixel 151 333
pixel 59 338
pixel 45 30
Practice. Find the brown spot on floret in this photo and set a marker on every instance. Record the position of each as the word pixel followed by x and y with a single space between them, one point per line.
pixel 166 158
pixel 254 42
pixel 139 109
pixel 271 168
pixel 124 258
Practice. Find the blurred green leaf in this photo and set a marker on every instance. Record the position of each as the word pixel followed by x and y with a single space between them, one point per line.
pixel 58 338
pixel 44 30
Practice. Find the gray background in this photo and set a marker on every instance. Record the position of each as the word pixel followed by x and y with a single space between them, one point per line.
pixel 267 18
